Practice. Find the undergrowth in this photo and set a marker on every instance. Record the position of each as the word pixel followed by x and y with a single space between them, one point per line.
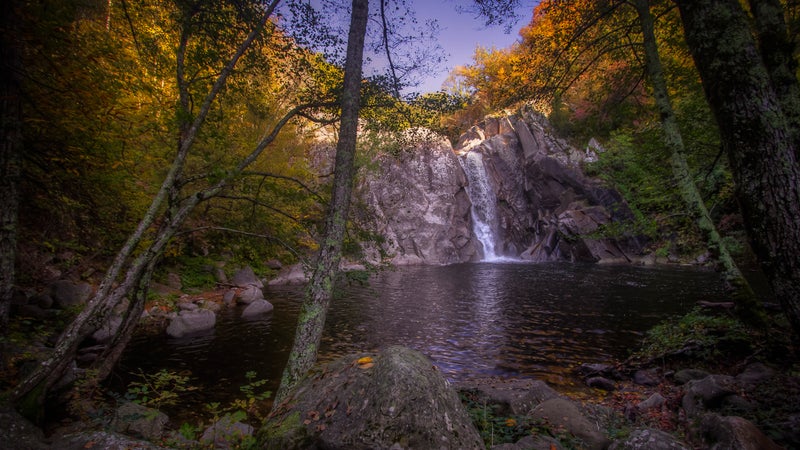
pixel 697 335
pixel 497 429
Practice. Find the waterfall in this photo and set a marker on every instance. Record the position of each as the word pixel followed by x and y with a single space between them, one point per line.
pixel 481 194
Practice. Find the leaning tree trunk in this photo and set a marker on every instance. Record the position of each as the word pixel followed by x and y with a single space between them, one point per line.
pixel 320 288
pixel 29 394
pixel 747 306
pixel 757 137
pixel 105 363
pixel 10 154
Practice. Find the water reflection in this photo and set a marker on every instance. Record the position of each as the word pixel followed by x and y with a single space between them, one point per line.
pixel 472 320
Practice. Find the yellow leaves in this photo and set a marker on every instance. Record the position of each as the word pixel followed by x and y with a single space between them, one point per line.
pixel 365 363
pixel 510 422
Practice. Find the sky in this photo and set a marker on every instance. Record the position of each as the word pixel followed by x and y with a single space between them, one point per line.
pixel 462 32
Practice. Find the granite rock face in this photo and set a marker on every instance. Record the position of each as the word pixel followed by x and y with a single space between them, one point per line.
pixel 546 208
pixel 417 201
pixel 427 205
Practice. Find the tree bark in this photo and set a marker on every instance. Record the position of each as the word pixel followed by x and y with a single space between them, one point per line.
pixel 10 154
pixel 320 288
pixel 747 306
pixel 777 53
pixel 757 137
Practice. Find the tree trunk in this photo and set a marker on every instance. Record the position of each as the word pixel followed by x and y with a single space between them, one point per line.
pixel 777 53
pixel 747 306
pixel 320 288
pixel 756 136
pixel 10 154
pixel 30 393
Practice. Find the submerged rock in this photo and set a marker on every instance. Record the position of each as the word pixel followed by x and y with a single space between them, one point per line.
pixel 395 398
pixel 256 308
pixel 191 322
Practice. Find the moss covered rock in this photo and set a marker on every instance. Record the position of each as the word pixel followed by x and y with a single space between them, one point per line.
pixel 393 399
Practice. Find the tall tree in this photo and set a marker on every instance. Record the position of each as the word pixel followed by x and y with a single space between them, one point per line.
pixel 319 291
pixel 745 299
pixel 10 152
pixel 778 54
pixel 757 135
pixel 129 273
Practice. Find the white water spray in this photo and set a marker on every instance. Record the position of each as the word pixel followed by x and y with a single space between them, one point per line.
pixel 484 213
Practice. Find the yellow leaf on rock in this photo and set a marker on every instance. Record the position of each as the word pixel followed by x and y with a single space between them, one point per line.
pixel 364 360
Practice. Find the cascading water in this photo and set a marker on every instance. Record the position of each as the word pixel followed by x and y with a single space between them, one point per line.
pixel 484 214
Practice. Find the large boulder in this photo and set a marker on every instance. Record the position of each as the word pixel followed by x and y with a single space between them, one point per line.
pixel 245 277
pixel 649 439
pixel 18 433
pixel 67 294
pixel 257 308
pixel 191 322
pixel 139 421
pixel 100 440
pixel 733 433
pixel 250 294
pixel 226 433
pixel 509 397
pixel 294 274
pixel 561 413
pixel 395 399
pixel 416 200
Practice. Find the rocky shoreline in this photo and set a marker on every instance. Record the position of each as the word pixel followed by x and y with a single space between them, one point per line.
pixel 397 399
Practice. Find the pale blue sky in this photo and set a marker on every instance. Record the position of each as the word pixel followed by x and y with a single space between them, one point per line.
pixel 462 32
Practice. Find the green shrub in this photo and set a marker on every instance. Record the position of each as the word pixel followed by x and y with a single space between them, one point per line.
pixel 698 333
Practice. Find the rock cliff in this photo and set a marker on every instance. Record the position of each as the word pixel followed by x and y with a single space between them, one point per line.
pixel 531 200
pixel 546 208
pixel 416 200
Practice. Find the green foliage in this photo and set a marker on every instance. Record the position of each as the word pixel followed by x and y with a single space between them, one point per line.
pixel 638 169
pixel 158 390
pixel 494 429
pixel 189 431
pixel 249 407
pixel 702 334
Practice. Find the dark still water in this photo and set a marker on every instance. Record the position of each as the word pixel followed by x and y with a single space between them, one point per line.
pixel 473 320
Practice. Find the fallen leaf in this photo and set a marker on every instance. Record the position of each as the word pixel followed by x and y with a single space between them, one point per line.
pixel 89 444
pixel 366 366
pixel 364 360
